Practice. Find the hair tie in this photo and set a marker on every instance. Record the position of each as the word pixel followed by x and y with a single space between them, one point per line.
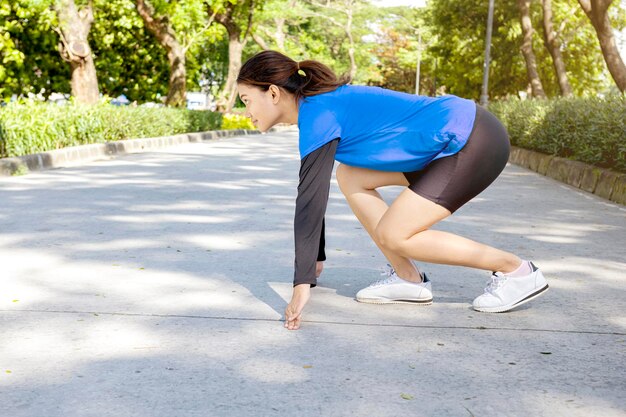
pixel 300 71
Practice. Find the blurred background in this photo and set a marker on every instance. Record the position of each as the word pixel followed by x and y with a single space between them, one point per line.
pixel 188 52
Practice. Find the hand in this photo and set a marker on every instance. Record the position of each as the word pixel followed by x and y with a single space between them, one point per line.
pixel 319 266
pixel 293 312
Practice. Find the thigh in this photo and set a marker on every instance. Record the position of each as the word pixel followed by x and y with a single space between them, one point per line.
pixel 349 177
pixel 409 214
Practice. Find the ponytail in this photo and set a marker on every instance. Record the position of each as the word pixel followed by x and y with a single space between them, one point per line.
pixel 302 79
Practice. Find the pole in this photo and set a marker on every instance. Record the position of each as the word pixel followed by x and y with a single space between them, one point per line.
pixel 484 97
pixel 419 59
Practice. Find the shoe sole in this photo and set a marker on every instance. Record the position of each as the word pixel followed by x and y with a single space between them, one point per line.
pixel 387 301
pixel 502 309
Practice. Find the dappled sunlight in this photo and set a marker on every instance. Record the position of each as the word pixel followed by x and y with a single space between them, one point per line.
pixel 273 371
pixel 271 182
pixel 586 269
pixel 176 282
pixel 619 321
pixel 256 168
pixel 116 244
pixel 283 289
pixel 170 218
pixel 559 229
pixel 224 186
pixel 218 242
pixel 343 218
pixel 590 401
pixel 74 340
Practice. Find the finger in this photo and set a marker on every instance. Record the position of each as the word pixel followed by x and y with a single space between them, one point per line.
pixel 296 323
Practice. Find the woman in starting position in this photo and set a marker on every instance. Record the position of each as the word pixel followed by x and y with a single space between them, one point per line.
pixel 445 150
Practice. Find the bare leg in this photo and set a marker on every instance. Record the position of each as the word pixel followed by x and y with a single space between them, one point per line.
pixel 359 187
pixel 402 230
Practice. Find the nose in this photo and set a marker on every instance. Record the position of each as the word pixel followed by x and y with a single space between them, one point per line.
pixel 247 114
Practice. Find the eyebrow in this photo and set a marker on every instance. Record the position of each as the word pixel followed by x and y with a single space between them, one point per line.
pixel 243 95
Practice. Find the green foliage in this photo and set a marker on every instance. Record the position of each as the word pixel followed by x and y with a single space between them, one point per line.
pixel 128 59
pixel 29 58
pixel 459 28
pixel 591 130
pixel 35 127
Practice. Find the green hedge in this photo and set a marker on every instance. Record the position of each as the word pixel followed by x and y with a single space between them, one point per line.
pixel 591 130
pixel 38 127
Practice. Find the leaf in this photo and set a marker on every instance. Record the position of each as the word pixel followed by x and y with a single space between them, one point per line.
pixel 308 366
pixel 406 396
pixel 7 371
pixel 546 353
pixel 15 301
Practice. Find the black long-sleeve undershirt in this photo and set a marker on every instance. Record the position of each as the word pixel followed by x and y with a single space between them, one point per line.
pixel 315 171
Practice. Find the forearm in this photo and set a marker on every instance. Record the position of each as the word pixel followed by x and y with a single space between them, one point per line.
pixel 315 172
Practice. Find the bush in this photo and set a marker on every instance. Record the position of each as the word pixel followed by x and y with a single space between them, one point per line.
pixel 38 127
pixel 591 130
pixel 237 121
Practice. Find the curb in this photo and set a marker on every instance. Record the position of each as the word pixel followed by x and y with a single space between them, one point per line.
pixel 604 183
pixel 76 155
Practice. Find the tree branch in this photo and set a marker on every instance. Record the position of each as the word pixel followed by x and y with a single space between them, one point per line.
pixel 259 40
pixel 195 37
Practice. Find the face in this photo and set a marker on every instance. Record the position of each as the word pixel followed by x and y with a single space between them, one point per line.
pixel 262 107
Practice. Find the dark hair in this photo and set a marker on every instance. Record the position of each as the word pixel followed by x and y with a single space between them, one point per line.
pixel 302 79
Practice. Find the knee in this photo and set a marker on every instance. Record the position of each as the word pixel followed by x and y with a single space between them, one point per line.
pixel 388 239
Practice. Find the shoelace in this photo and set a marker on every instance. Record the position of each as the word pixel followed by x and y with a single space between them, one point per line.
pixel 496 282
pixel 390 275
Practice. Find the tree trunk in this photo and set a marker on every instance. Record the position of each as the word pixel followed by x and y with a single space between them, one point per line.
pixel 279 33
pixel 164 33
pixel 527 49
pixel 74 26
pixel 229 96
pixel 353 67
pixel 554 47
pixel 596 11
pixel 236 43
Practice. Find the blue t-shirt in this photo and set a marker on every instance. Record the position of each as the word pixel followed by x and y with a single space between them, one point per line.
pixel 385 130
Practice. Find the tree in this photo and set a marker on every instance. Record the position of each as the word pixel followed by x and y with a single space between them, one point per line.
pixel 346 9
pixel 129 60
pixel 554 47
pixel 73 30
pixel 28 50
pixel 457 47
pixel 527 49
pixel 177 27
pixel 237 19
pixel 162 30
pixel 273 22
pixel 597 12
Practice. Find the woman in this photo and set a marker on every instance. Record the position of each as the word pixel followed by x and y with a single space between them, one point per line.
pixel 445 150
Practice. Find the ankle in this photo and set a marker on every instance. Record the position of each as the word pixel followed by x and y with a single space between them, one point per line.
pixel 414 276
pixel 522 270
pixel 511 265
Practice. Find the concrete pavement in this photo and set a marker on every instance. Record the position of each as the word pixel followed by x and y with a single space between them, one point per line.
pixel 154 284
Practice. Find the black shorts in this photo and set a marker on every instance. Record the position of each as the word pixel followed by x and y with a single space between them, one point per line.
pixel 454 180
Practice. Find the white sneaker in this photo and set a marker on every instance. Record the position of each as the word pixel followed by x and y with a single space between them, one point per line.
pixel 395 290
pixel 504 293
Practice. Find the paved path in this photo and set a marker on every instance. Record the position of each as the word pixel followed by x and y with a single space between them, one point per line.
pixel 152 286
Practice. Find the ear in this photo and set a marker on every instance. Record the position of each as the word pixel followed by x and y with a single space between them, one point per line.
pixel 275 92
